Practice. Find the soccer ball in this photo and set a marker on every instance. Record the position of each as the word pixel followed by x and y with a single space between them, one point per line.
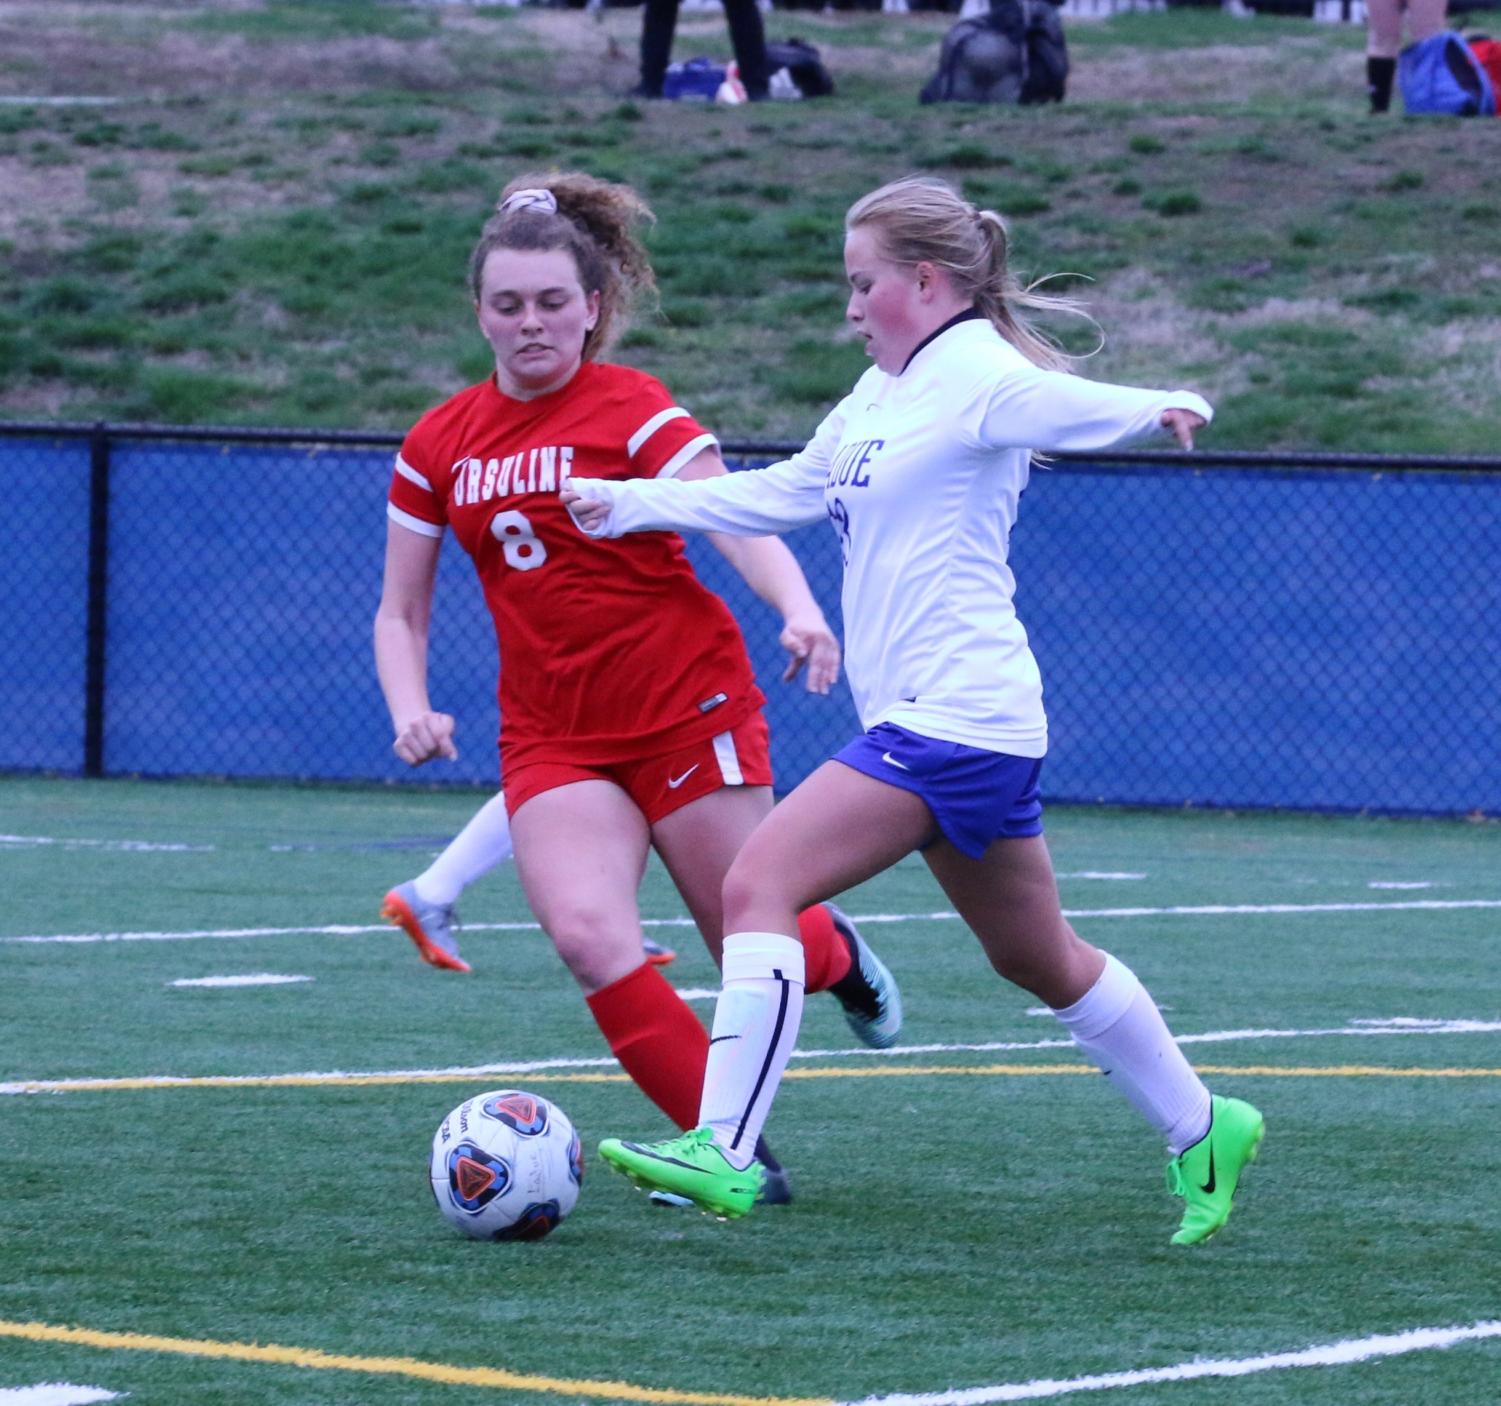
pixel 506 1165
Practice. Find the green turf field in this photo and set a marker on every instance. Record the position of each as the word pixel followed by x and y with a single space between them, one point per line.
pixel 977 1218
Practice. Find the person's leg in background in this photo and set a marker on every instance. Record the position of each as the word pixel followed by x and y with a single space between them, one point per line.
pixel 1425 18
pixel 748 36
pixel 1383 41
pixel 424 907
pixel 659 19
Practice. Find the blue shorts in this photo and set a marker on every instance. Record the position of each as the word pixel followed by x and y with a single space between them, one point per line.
pixel 975 796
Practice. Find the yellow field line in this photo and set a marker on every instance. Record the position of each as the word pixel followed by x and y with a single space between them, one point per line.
pixel 1270 1071
pixel 388 1366
pixel 1345 1071
pixel 895 1071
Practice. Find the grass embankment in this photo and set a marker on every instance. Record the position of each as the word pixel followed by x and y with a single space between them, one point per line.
pixel 270 224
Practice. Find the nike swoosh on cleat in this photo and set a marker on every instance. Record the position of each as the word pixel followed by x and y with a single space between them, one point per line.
pixel 668 1161
pixel 718 1038
pixel 1208 1187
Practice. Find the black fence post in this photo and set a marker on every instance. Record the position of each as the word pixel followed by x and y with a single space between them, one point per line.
pixel 98 601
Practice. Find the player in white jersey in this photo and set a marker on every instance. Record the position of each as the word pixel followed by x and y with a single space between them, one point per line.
pixel 920 469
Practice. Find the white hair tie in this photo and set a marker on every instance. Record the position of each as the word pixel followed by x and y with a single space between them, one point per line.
pixel 535 199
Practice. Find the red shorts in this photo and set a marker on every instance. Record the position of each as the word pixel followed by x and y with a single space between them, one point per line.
pixel 663 783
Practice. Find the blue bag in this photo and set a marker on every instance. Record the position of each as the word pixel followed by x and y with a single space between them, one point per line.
pixel 1442 75
pixel 697 80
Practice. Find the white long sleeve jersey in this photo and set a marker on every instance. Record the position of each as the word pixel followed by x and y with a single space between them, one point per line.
pixel 920 474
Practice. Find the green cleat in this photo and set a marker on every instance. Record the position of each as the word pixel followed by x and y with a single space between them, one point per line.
pixel 690 1166
pixel 1206 1174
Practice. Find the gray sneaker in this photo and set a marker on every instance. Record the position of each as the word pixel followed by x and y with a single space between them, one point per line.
pixel 869 994
pixel 430 925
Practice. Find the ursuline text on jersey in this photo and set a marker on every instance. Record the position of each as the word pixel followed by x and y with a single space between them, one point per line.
pixel 540 470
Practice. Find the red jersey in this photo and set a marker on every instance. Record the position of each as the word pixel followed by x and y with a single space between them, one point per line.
pixel 607 648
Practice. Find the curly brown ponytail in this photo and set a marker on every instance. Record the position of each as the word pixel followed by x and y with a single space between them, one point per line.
pixel 595 221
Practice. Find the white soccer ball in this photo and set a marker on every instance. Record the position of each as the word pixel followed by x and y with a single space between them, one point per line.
pixel 506 1165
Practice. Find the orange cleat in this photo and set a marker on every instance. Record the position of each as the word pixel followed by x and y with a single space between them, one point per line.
pixel 658 955
pixel 429 925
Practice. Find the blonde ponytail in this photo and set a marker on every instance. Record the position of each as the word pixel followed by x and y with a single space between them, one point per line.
pixel 921 219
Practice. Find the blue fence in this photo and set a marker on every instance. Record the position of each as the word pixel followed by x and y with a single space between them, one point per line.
pixel 1218 632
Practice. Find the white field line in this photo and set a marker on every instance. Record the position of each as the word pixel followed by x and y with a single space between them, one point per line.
pixel 1337 1354
pixel 150 846
pixel 327 930
pixel 59 102
pixel 1107 875
pixel 54 1394
pixel 245 979
pixel 121 846
pixel 1210 910
pixel 1396 1025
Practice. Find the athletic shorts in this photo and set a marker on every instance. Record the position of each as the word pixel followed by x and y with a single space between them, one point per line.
pixel 663 783
pixel 975 796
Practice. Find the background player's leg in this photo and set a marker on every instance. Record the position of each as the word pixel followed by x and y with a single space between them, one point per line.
pixel 482 844
pixel 424 907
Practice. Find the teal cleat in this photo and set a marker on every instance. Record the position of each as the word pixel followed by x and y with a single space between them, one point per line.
pixel 869 994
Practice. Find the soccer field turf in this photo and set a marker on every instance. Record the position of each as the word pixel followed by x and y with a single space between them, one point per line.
pixel 218 1193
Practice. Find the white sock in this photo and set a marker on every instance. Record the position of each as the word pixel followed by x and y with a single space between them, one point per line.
pixel 482 844
pixel 755 1028
pixel 1117 1024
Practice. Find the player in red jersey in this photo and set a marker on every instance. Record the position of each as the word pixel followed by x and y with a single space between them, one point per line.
pixel 630 716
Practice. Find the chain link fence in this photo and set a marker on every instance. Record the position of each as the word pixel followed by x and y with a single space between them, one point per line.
pixel 1237 630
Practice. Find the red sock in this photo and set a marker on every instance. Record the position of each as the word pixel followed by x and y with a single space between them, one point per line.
pixel 658 1040
pixel 825 954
